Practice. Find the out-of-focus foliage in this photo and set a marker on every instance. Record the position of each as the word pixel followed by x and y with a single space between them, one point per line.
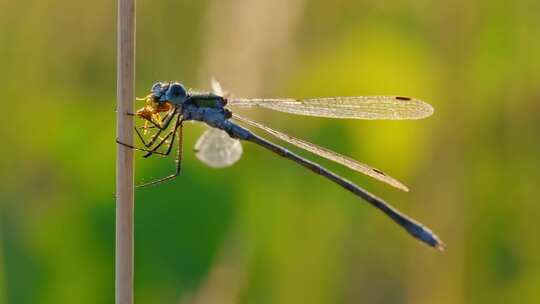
pixel 266 230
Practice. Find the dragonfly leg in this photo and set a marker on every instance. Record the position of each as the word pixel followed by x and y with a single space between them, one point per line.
pixel 142 149
pixel 170 144
pixel 127 113
pixel 154 150
pixel 162 125
pixel 141 137
pixel 179 153
pixel 152 139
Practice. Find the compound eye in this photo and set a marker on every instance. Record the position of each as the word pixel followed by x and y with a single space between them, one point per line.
pixel 176 90
pixel 156 88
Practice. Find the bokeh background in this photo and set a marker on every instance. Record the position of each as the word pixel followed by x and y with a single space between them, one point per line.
pixel 267 230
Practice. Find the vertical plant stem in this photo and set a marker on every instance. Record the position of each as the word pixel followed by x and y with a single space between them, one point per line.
pixel 124 155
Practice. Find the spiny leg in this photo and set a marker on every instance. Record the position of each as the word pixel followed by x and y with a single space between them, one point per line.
pixel 127 113
pixel 141 137
pixel 161 125
pixel 163 140
pixel 146 150
pixel 170 144
pixel 179 153
pixel 152 139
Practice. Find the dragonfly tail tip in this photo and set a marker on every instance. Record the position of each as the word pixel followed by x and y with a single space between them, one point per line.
pixel 440 246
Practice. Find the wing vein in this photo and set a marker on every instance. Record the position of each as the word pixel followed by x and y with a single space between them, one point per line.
pixel 328 154
pixel 360 107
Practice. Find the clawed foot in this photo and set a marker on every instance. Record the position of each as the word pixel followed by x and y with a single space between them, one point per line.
pixel 149 152
pixel 124 144
pixel 127 113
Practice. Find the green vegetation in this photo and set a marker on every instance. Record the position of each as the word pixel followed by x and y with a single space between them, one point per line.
pixel 472 167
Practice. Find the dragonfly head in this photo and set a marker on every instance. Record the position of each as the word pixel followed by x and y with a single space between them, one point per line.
pixel 169 92
pixel 161 99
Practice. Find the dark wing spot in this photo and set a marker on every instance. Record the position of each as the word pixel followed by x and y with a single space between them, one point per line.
pixel 403 98
pixel 378 171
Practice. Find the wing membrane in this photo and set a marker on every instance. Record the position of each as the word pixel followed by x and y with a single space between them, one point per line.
pixel 328 154
pixel 217 149
pixel 360 107
pixel 216 87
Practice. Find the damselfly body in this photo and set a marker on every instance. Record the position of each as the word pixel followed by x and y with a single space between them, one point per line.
pixel 169 105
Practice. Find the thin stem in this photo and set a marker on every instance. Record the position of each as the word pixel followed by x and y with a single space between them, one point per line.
pixel 124 162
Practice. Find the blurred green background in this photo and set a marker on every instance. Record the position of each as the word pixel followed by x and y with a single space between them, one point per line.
pixel 267 230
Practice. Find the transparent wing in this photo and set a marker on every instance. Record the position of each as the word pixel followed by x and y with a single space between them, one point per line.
pixel 360 107
pixel 217 149
pixel 216 87
pixel 328 154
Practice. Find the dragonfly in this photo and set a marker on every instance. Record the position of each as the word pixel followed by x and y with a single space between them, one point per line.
pixel 170 104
